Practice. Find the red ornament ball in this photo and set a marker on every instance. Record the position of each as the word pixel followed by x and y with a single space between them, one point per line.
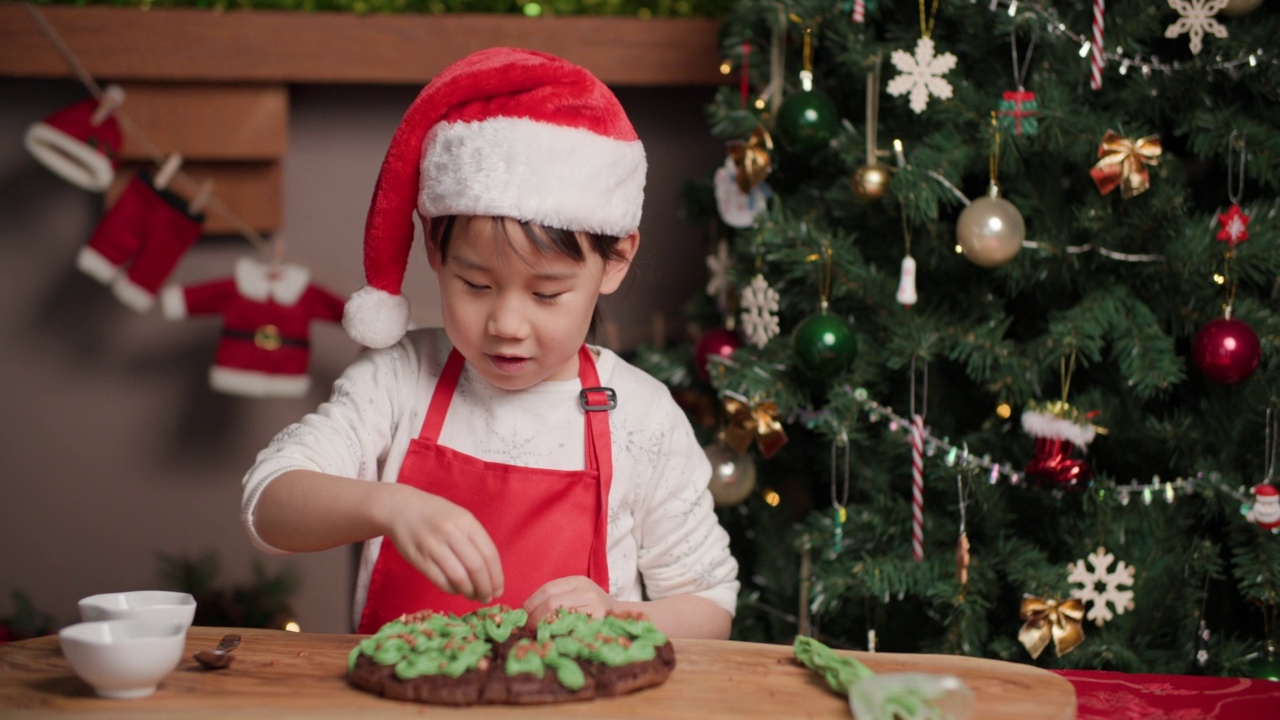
pixel 716 341
pixel 1226 350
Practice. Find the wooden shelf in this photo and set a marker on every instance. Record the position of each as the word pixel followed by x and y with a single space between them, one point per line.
pixel 195 46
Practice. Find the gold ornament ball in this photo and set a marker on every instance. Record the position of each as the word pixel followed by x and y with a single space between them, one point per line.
pixel 871 182
pixel 1239 7
pixel 733 476
pixel 990 231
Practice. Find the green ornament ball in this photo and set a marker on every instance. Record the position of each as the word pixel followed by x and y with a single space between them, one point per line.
pixel 1266 666
pixel 807 121
pixel 823 345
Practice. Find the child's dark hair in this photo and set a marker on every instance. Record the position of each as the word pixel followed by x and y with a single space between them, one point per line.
pixel 546 239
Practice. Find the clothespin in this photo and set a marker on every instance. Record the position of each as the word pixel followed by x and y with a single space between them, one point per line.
pixel 112 98
pixel 168 170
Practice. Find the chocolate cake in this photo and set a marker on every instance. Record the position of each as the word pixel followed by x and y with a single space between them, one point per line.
pixel 492 656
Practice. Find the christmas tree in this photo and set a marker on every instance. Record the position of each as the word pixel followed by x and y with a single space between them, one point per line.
pixel 987 361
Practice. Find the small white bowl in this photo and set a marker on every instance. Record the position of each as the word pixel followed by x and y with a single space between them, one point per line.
pixel 158 605
pixel 123 658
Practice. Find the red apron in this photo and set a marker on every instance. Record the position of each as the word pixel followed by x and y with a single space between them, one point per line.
pixel 546 524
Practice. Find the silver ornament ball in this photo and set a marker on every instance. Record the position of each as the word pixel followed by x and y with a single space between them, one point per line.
pixel 1234 8
pixel 733 476
pixel 991 230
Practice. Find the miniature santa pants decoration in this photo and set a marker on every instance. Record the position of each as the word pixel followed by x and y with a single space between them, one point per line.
pixel 152 227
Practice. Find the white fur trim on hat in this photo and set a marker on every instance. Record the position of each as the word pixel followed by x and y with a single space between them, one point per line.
pixel 71 158
pixel 376 318
pixel 1038 424
pixel 557 176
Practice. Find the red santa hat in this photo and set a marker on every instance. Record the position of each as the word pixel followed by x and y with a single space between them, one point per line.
pixel 1265 490
pixel 503 133
pixel 81 143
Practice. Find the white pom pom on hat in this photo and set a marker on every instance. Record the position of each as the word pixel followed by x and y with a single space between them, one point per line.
pixel 505 133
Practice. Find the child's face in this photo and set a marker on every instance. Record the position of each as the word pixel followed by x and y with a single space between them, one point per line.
pixel 517 315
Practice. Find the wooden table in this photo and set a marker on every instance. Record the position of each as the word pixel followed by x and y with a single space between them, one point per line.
pixel 280 675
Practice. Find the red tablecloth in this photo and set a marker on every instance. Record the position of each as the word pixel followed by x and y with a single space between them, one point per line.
pixel 1124 696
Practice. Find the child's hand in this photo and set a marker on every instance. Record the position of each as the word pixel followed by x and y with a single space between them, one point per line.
pixel 446 543
pixel 576 592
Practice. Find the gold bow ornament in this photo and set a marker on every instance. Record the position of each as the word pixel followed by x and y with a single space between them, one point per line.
pixel 1049 619
pixel 1124 163
pixel 753 422
pixel 751 161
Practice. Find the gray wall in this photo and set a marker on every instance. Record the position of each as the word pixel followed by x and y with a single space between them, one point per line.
pixel 113 448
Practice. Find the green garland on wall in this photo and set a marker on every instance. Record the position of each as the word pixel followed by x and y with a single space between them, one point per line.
pixel 532 8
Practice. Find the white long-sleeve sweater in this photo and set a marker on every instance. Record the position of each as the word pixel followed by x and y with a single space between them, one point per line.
pixel 664 537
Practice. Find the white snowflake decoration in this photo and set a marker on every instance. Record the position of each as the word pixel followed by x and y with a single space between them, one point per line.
pixel 922 74
pixel 759 311
pixel 1196 20
pixel 1100 604
pixel 718 274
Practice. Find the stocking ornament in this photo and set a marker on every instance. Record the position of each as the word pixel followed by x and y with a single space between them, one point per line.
pixel 1057 436
pixel 1058 429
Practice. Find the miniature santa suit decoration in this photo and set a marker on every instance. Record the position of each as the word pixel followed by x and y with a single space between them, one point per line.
pixel 149 229
pixel 1057 434
pixel 1265 512
pixel 525 135
pixel 266 336
pixel 80 143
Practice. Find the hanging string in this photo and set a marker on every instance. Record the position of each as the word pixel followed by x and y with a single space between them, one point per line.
pixel 873 108
pixel 1067 370
pixel 1020 74
pixel 157 156
pixel 1237 142
pixel 1271 434
pixel 995 145
pixel 926 25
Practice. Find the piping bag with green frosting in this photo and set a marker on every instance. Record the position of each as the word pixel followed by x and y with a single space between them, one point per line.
pixel 894 696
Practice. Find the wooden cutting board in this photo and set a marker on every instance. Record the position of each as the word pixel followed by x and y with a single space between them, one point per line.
pixel 278 674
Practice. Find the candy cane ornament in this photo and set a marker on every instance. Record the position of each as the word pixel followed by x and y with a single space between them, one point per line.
pixel 917 487
pixel 859 14
pixel 1095 71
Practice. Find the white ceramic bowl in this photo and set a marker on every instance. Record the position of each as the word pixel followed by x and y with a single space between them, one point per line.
pixel 123 658
pixel 156 605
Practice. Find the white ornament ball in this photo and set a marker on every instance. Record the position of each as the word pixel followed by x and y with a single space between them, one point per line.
pixel 991 230
pixel 733 476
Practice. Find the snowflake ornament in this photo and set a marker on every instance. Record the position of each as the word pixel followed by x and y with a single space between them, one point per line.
pixel 1196 20
pixel 921 74
pixel 759 311
pixel 718 274
pixel 1235 226
pixel 1101 603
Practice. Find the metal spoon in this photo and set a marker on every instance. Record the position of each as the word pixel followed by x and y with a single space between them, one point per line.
pixel 221 656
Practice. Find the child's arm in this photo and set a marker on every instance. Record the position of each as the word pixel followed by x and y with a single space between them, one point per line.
pixel 680 616
pixel 303 511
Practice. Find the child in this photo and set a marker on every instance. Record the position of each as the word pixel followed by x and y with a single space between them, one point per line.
pixel 458 456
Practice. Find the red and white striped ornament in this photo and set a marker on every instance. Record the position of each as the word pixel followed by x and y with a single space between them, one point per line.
pixel 859 14
pixel 917 487
pixel 1095 70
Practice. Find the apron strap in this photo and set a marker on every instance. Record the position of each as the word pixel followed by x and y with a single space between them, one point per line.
pixel 442 396
pixel 596 401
